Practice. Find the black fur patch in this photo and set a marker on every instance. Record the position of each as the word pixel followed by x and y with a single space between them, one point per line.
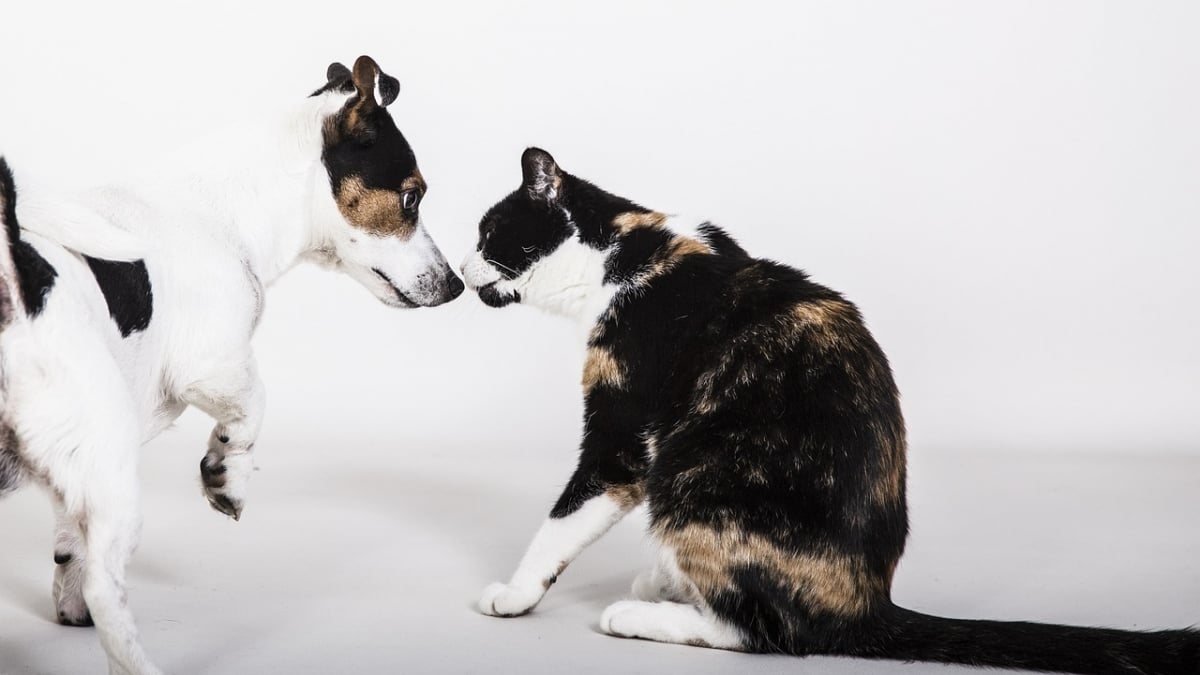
pixel 126 289
pixel 34 274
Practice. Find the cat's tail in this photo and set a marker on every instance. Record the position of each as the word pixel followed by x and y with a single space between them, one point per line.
pixel 902 634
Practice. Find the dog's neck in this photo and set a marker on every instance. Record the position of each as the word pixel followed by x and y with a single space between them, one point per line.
pixel 260 187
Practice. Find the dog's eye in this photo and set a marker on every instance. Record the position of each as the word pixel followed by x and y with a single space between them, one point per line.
pixel 410 199
pixel 528 249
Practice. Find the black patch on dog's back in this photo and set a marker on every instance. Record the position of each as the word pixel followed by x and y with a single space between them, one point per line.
pixel 126 289
pixel 34 274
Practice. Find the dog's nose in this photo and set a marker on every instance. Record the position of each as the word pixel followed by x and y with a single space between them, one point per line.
pixel 456 286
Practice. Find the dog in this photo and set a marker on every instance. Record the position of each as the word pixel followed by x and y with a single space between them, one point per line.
pixel 122 308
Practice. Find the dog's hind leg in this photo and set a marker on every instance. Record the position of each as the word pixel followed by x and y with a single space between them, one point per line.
pixel 70 557
pixel 92 470
pixel 236 399
pixel 112 523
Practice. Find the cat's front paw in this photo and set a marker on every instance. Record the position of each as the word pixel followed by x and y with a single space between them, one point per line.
pixel 225 479
pixel 504 600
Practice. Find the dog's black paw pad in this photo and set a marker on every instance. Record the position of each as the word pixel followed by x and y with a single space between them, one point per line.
pixel 212 471
pixel 82 621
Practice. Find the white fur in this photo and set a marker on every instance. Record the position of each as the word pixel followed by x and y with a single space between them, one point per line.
pixel 225 219
pixel 555 545
pixel 569 281
pixel 669 622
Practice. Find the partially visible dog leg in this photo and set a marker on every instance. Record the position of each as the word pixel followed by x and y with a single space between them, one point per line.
pixel 70 556
pixel 112 525
pixel 236 399
pixel 90 464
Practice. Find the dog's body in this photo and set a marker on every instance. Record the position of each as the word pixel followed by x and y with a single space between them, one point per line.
pixel 128 304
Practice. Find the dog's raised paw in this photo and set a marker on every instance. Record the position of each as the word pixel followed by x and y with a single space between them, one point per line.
pixel 224 479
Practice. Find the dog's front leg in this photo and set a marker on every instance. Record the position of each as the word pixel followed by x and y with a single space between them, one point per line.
pixel 235 398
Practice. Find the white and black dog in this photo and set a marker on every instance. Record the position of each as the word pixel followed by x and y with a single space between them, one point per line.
pixel 122 307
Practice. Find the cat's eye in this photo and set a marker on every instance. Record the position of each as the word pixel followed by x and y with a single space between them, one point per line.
pixel 409 199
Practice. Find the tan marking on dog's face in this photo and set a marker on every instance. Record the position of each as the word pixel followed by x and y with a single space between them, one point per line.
pixel 632 220
pixel 627 496
pixel 834 583
pixel 602 368
pixel 376 210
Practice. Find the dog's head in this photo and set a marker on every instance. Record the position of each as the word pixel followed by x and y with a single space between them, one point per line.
pixel 548 243
pixel 369 217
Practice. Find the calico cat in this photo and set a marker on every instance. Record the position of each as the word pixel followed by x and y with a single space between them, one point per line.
pixel 753 412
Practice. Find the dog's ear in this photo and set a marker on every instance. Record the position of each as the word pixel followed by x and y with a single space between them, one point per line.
pixel 374 86
pixel 360 108
pixel 336 71
pixel 540 175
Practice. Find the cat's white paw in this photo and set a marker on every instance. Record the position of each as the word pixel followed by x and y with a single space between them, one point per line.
pixel 624 619
pixel 504 600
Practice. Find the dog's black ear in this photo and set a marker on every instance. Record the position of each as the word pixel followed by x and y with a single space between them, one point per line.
pixel 336 71
pixel 389 89
pixel 540 175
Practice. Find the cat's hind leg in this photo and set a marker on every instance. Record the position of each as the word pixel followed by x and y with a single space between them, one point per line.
pixel 664 582
pixel 673 622
pixel 669 608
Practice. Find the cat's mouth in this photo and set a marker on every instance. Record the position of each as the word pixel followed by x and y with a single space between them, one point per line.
pixel 494 297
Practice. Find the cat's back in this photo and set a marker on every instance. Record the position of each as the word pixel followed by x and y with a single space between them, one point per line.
pixel 789 395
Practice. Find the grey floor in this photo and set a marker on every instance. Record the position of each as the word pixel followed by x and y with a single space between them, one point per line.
pixel 344 567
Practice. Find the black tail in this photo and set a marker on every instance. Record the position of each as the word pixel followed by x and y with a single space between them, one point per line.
pixel 909 636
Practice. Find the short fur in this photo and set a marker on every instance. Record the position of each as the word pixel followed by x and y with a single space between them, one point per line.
pixel 123 308
pixel 758 418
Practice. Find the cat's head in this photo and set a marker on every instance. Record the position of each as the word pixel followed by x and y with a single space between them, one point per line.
pixel 551 241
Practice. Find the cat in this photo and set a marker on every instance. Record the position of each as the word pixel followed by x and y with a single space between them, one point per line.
pixel 755 415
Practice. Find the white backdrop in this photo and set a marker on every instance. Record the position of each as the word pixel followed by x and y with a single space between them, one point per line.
pixel 1009 190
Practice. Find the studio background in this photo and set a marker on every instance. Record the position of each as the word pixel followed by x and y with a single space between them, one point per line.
pixel 1010 191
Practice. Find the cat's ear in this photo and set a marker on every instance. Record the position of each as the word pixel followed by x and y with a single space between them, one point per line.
pixel 541 177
